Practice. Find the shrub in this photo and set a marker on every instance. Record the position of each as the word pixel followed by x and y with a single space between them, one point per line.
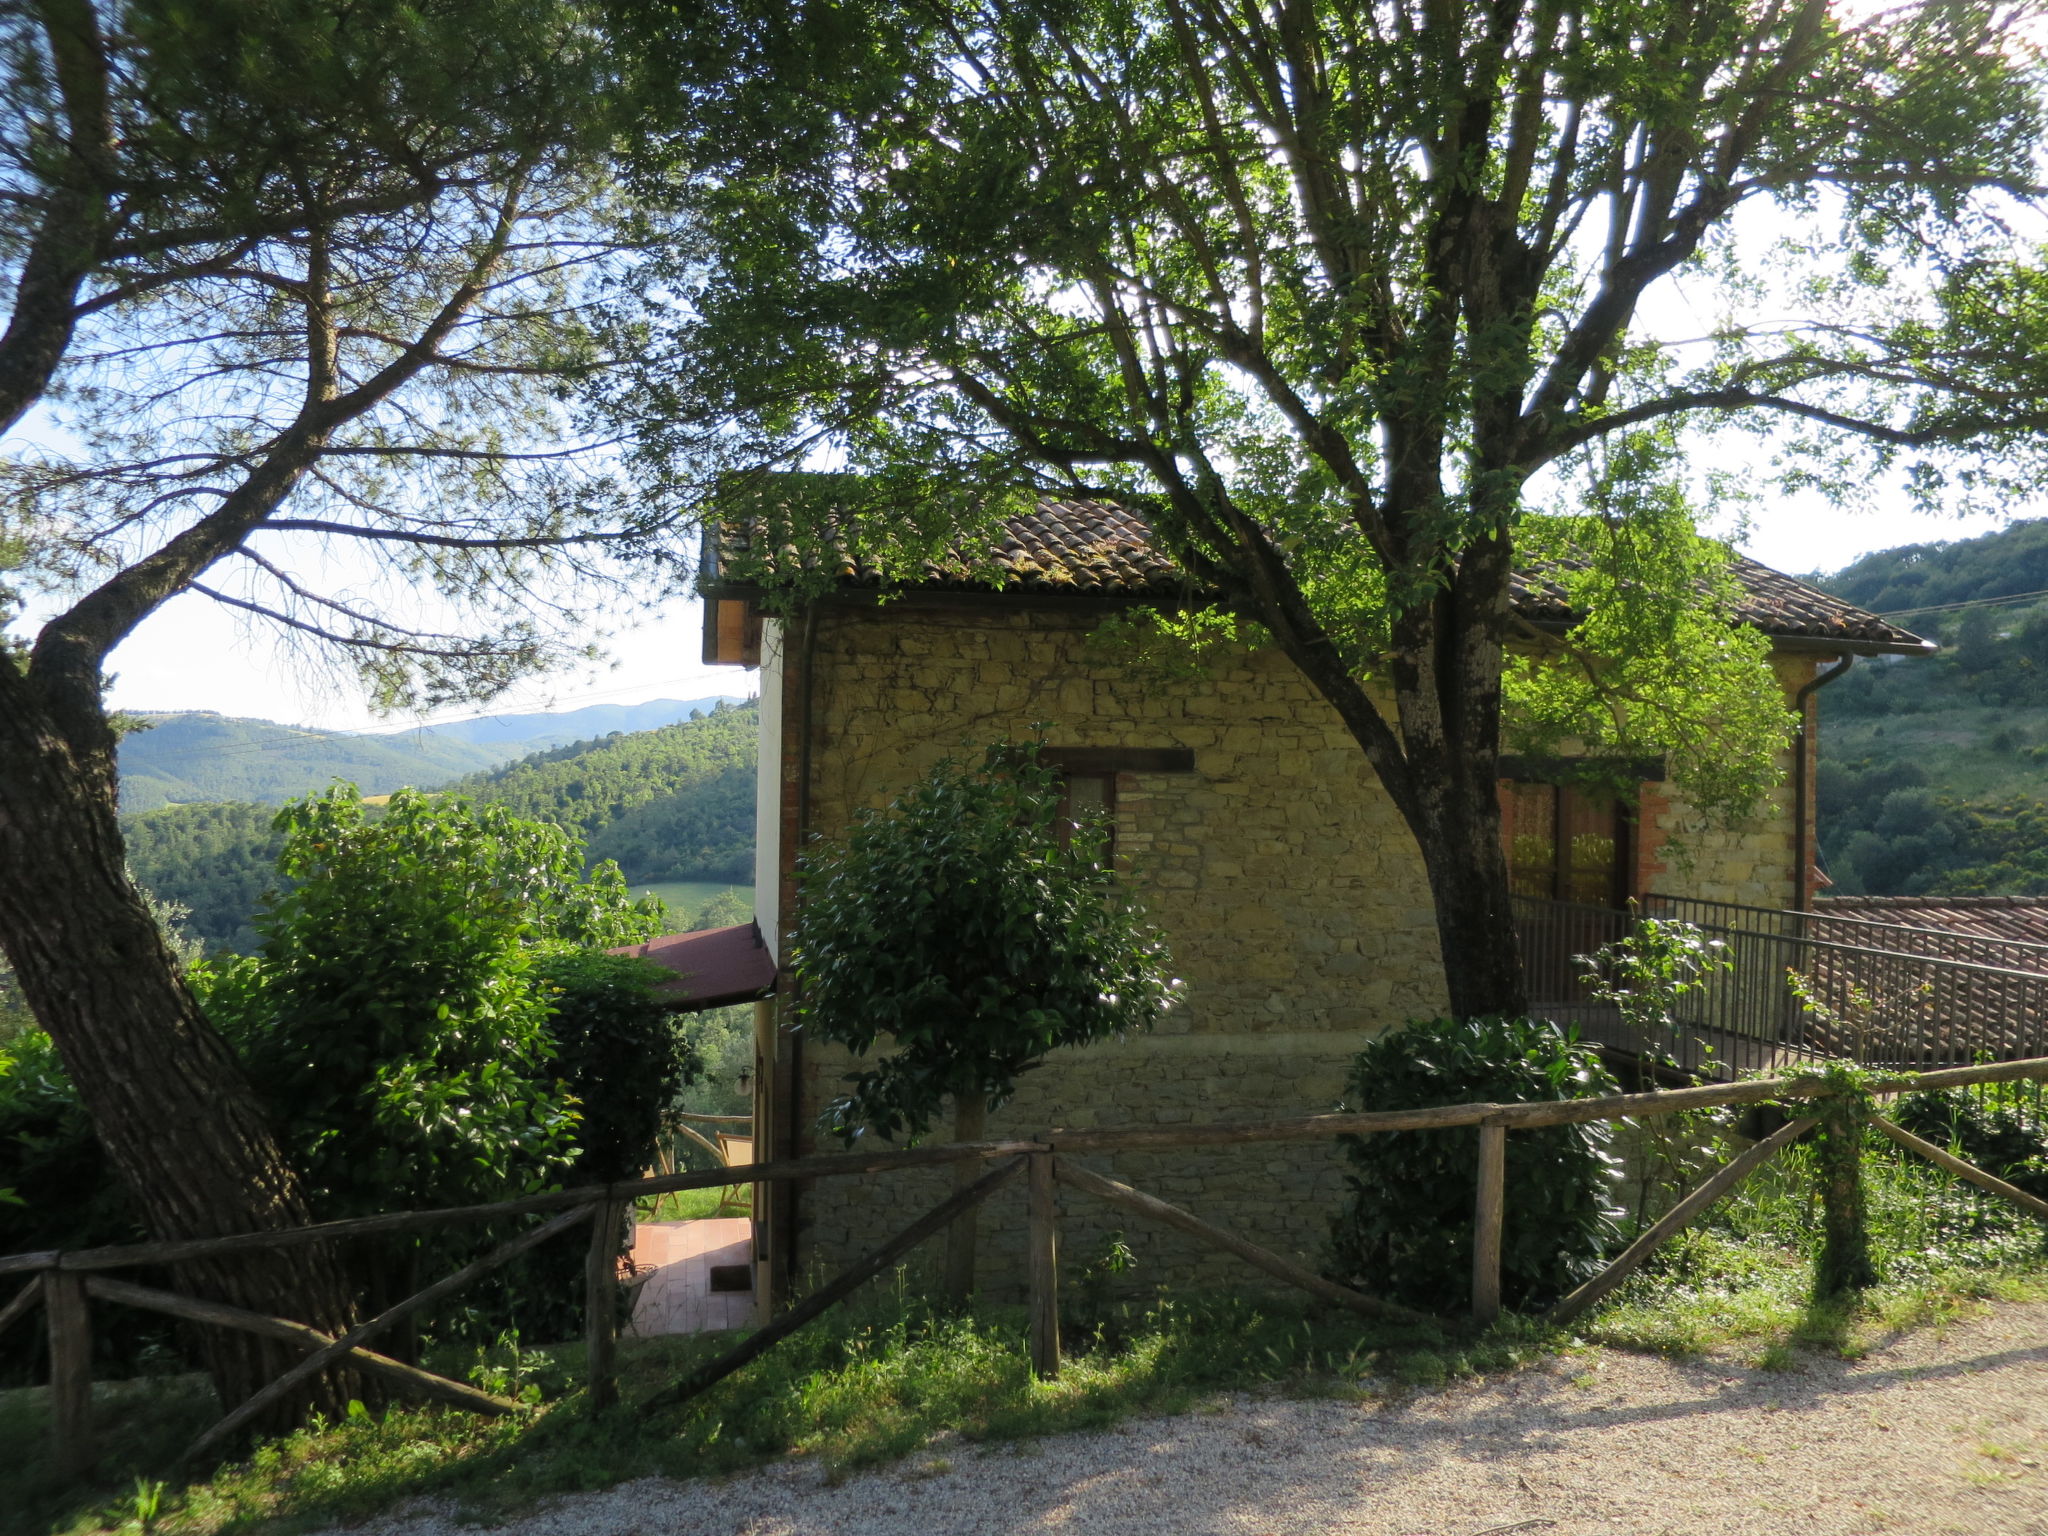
pixel 962 926
pixel 2003 1129
pixel 1405 1231
pixel 623 1056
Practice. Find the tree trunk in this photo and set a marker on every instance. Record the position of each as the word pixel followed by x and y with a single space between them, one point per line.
pixel 180 1125
pixel 1447 684
pixel 1475 920
pixel 970 1120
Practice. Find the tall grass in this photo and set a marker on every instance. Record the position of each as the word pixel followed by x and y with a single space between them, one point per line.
pixel 1745 1273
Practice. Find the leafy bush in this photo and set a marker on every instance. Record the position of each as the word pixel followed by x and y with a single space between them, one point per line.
pixel 431 1025
pixel 622 1055
pixel 2003 1129
pixel 1406 1230
pixel 959 923
pixel 63 1195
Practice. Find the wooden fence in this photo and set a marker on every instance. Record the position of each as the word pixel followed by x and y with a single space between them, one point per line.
pixel 66 1283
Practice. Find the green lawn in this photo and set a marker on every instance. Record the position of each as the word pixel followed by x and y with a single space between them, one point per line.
pixel 685 898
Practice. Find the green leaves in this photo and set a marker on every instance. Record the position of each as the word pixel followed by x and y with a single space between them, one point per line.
pixel 1658 665
pixel 395 1008
pixel 958 932
pixel 1406 1229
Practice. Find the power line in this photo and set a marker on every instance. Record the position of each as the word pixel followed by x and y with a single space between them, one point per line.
pixel 1974 602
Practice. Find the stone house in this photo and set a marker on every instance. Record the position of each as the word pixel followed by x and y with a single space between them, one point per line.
pixel 1289 889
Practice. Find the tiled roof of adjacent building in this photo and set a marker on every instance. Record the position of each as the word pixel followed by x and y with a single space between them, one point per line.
pixel 2020 919
pixel 1101 549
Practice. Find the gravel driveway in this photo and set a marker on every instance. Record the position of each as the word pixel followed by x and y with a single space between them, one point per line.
pixel 1943 1431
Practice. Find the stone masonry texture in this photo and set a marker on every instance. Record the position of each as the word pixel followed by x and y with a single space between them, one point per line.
pixel 1290 892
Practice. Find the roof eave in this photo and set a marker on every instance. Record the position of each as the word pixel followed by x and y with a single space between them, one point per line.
pixel 1802 644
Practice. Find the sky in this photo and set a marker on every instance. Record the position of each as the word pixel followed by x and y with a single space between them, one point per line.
pixel 193 655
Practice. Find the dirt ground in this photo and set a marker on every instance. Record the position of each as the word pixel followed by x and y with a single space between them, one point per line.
pixel 1941 1431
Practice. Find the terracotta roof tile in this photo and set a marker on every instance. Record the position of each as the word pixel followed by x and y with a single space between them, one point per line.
pixel 1098 547
pixel 2020 919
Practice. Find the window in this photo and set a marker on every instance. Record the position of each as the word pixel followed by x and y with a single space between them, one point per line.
pixel 1084 795
pixel 1565 844
pixel 1088 779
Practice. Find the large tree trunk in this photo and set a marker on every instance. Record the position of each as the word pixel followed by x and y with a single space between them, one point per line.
pixel 1475 926
pixel 1447 674
pixel 180 1125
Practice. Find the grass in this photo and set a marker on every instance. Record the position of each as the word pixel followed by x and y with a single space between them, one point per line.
pixel 686 898
pixel 698 1204
pixel 875 1381
pixel 885 1377
pixel 1743 1278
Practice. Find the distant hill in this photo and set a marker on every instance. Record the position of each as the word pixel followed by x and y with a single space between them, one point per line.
pixel 532 732
pixel 2012 560
pixel 1933 770
pixel 204 757
pixel 200 757
pixel 670 805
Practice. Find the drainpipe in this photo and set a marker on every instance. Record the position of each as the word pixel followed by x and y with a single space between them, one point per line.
pixel 1802 852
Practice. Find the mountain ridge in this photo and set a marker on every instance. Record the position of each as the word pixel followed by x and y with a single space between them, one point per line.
pixel 207 757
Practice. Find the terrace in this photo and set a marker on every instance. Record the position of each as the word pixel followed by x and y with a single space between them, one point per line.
pixel 1883 994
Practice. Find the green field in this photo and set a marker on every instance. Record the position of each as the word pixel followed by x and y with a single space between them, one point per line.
pixel 685 898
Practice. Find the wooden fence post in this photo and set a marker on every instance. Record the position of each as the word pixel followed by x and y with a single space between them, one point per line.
pixel 1043 1242
pixel 69 1316
pixel 1489 1209
pixel 601 1304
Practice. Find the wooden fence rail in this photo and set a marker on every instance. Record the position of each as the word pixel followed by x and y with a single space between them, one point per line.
pixel 65 1282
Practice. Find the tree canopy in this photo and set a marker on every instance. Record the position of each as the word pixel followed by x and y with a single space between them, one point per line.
pixel 295 292
pixel 1344 297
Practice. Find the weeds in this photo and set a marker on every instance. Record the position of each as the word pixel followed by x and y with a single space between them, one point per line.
pixel 1745 1276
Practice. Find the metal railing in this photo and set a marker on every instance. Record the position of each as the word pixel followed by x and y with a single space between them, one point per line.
pixel 1882 1001
pixel 1862 932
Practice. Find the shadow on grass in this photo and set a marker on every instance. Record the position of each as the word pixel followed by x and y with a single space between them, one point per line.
pixel 870 1383
pixel 864 1387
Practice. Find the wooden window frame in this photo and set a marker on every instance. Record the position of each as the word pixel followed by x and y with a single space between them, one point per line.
pixel 1624 887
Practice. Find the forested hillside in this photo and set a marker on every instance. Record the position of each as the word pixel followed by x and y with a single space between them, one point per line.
pixel 1933 769
pixel 675 804
pixel 196 756
pixel 193 757
pixel 672 804
pixel 214 860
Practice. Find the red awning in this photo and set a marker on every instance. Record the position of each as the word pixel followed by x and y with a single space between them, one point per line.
pixel 713 967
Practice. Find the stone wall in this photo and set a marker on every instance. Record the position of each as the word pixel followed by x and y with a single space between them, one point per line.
pixel 1290 891
pixel 1751 862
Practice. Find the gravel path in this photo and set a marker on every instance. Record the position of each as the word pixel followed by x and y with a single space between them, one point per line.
pixel 1939 1432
